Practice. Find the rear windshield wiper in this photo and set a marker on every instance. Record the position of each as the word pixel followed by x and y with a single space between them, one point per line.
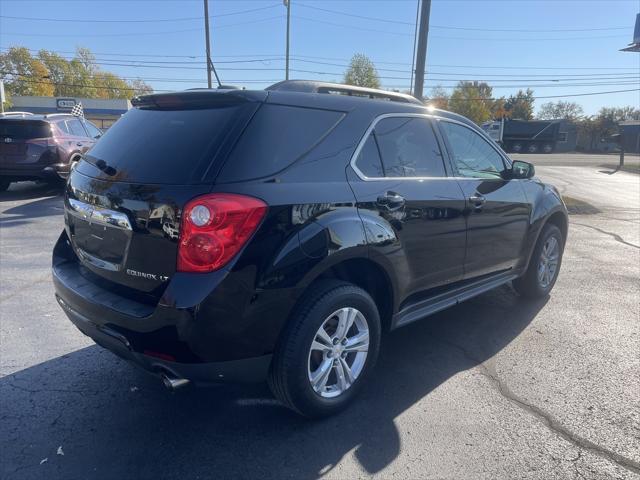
pixel 100 165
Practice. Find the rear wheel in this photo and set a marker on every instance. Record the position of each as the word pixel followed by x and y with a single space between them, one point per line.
pixel 544 266
pixel 532 148
pixel 327 351
pixel 547 148
pixel 516 147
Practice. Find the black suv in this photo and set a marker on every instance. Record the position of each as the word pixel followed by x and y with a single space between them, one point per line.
pixel 42 147
pixel 232 235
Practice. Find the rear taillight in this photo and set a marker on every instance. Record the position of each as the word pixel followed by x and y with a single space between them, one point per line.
pixel 214 228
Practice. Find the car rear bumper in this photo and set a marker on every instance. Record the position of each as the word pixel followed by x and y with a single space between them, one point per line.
pixel 36 172
pixel 245 370
pixel 196 342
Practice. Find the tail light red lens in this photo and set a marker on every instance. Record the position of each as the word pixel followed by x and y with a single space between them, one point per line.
pixel 214 229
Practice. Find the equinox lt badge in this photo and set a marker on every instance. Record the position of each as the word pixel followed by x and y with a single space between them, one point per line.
pixel 148 276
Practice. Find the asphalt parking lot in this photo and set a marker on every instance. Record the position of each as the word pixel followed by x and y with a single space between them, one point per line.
pixel 497 387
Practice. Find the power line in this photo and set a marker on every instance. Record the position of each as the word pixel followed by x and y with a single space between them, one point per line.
pixel 159 20
pixel 137 34
pixel 449 27
pixel 300 57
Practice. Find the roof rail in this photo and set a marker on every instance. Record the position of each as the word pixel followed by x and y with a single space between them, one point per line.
pixel 16 114
pixel 311 86
pixel 49 115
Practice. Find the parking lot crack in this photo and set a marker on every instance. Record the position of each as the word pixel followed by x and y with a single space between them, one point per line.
pixel 616 237
pixel 546 418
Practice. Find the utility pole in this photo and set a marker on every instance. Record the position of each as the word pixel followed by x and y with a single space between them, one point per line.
pixel 206 32
pixel 421 56
pixel 287 3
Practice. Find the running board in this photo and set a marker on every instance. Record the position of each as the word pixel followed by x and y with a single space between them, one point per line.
pixel 445 300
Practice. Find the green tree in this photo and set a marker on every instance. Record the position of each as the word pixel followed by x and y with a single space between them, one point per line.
pixel 560 110
pixel 473 100
pixel 520 105
pixel 362 72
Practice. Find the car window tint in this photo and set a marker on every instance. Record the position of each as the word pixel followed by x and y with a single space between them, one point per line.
pixel 76 128
pixel 408 147
pixel 93 130
pixel 276 138
pixel 164 146
pixel 473 156
pixel 368 161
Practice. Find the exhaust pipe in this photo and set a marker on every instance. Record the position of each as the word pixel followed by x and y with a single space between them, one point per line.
pixel 173 383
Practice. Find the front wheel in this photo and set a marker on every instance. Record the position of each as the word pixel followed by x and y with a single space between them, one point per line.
pixel 327 350
pixel 544 266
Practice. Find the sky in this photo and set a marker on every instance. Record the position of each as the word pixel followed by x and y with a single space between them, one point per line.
pixel 556 47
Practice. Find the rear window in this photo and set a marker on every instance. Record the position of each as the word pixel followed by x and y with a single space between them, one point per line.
pixel 276 138
pixel 161 146
pixel 24 130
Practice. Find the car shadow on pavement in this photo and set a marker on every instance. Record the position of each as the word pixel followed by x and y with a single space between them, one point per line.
pixel 114 421
pixel 26 212
pixel 31 190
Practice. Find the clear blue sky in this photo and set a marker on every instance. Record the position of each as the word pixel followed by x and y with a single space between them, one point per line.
pixel 579 45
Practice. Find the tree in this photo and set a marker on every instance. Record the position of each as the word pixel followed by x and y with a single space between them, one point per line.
pixel 23 74
pixel 520 105
pixel 473 100
pixel 592 130
pixel 49 74
pixel 560 110
pixel 362 72
pixel 439 98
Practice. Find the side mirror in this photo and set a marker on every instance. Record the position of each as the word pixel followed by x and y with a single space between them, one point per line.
pixel 522 170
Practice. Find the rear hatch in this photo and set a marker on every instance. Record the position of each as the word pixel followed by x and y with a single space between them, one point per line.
pixel 23 141
pixel 124 200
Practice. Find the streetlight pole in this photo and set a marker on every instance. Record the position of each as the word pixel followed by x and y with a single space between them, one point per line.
pixel 421 57
pixel 287 4
pixel 208 47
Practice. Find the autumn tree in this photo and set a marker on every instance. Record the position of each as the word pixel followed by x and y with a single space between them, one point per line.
pixel 24 74
pixel 438 98
pixel 362 72
pixel 560 110
pixel 49 74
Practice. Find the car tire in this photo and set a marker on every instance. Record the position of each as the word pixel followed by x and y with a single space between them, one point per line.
pixel 296 363
pixel 532 148
pixel 535 283
pixel 516 147
pixel 4 185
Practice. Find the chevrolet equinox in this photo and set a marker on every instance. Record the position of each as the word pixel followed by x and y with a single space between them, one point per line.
pixel 234 235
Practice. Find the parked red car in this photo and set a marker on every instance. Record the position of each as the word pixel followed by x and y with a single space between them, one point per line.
pixel 42 147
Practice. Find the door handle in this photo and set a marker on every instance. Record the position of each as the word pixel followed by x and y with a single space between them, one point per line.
pixel 391 201
pixel 477 201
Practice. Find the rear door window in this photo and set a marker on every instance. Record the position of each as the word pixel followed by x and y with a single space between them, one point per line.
pixel 276 138
pixel 163 146
pixel 94 131
pixel 407 147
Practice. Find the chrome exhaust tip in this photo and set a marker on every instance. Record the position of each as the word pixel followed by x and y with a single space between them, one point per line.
pixel 173 383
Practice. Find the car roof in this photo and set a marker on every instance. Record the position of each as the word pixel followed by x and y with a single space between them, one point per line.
pixel 49 117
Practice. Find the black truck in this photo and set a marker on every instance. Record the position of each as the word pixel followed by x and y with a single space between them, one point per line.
pixel 522 136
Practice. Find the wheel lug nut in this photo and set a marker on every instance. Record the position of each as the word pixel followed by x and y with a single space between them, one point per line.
pixel 344 341
pixel 335 341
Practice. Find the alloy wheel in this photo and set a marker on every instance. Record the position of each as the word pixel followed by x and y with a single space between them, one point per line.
pixel 338 352
pixel 548 264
